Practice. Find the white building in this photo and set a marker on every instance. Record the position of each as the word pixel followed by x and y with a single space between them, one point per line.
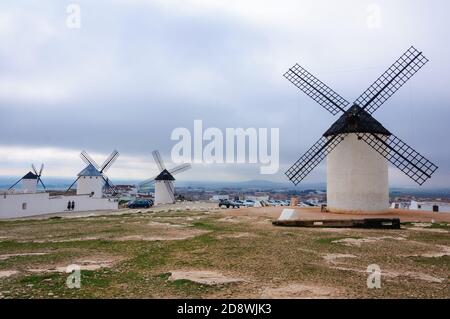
pixel 29 202
pixel 90 182
pixel 164 188
pixel 357 176
pixel 15 205
pixel 430 206
pixel 29 183
pixel 437 207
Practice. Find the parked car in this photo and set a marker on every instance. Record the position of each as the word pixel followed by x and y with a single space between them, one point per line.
pixel 273 202
pixel 285 202
pixel 281 203
pixel 140 203
pixel 228 203
pixel 249 203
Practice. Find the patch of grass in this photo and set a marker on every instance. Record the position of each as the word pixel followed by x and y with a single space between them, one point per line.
pixel 208 225
pixel 188 287
pixel 149 260
pixel 35 260
pixel 441 226
pixel 206 239
pixel 39 279
pixel 270 256
pixel 95 279
pixel 164 276
pixel 329 240
pixel 12 246
pixel 443 261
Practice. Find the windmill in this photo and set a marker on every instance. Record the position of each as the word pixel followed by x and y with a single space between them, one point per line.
pixel 31 180
pixel 92 179
pixel 164 181
pixel 357 169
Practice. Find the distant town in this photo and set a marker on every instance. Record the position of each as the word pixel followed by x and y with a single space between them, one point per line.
pixel 270 193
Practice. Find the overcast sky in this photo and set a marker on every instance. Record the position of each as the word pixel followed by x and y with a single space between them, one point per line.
pixel 136 70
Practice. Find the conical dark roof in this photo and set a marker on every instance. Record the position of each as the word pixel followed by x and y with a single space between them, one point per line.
pixel 164 176
pixel 90 170
pixel 356 120
pixel 30 175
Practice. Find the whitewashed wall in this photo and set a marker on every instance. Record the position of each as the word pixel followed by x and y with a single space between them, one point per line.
pixel 427 206
pixel 357 178
pixel 162 196
pixel 29 185
pixel 12 205
pixel 88 184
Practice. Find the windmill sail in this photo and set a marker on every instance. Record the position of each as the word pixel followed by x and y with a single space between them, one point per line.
pixel 316 89
pixel 109 161
pixel 357 119
pixel 316 154
pixel 391 80
pixel 88 160
pixel 402 156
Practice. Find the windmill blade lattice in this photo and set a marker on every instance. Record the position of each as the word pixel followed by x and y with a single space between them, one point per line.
pixel 88 160
pixel 34 169
pixel 109 161
pixel 316 89
pixel 158 159
pixel 39 174
pixel 147 182
pixel 179 169
pixel 402 156
pixel 13 185
pixel 170 189
pixel 316 154
pixel 391 80
pixel 360 122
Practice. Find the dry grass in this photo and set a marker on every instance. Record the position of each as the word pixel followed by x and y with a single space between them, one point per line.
pixel 134 255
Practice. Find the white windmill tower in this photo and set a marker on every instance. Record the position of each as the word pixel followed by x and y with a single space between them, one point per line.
pixel 92 179
pixel 164 181
pixel 357 146
pixel 31 180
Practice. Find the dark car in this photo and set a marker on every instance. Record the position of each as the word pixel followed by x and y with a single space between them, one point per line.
pixel 140 203
pixel 228 203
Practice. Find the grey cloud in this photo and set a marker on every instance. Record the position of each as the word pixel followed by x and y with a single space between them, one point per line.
pixel 134 73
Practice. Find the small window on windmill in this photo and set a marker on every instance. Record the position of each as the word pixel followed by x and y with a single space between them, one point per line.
pixel 24 206
pixel 435 208
pixel 419 206
pixel 90 177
